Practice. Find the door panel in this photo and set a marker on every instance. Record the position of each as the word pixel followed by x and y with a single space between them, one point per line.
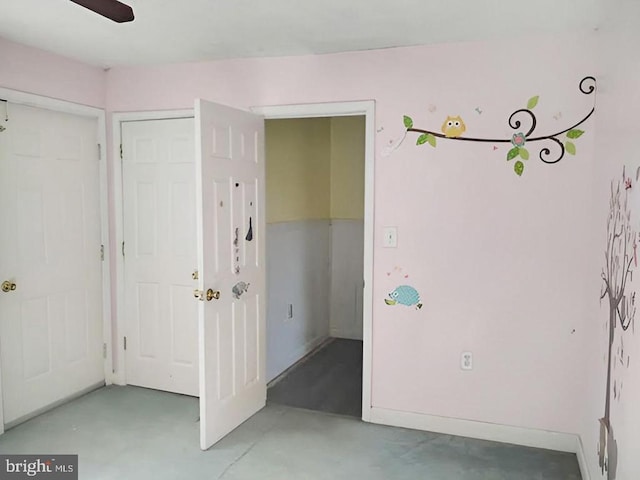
pixel 160 254
pixel 51 325
pixel 230 215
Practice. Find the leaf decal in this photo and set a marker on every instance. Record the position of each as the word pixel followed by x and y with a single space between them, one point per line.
pixel 575 133
pixel 431 139
pixel 524 153
pixel 570 148
pixel 518 167
pixel 533 101
pixel 408 121
pixel 422 139
pixel 513 153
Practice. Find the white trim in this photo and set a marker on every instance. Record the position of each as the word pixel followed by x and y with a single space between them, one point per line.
pixel 315 110
pixel 582 460
pixel 119 368
pixel 38 101
pixel 366 108
pixel 528 437
pixel 48 103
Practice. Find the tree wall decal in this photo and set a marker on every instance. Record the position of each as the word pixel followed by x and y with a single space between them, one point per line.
pixel 620 259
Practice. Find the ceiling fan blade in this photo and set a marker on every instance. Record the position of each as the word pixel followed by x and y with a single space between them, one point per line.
pixel 112 9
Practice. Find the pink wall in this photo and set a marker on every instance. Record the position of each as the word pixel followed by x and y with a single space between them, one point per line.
pixel 500 261
pixel 35 71
pixel 616 146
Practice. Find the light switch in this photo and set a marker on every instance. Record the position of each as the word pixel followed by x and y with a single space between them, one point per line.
pixel 390 237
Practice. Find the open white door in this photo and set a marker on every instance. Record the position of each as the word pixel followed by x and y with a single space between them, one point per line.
pixel 231 246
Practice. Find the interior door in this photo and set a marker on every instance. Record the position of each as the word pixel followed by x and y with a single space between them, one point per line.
pixel 51 312
pixel 231 246
pixel 160 254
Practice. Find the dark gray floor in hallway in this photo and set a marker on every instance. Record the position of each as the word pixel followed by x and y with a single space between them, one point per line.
pixel 129 433
pixel 330 380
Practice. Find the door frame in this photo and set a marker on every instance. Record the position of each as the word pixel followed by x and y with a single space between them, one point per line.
pixel 63 106
pixel 118 371
pixel 364 108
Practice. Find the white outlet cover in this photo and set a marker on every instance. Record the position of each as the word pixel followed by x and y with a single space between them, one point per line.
pixel 466 361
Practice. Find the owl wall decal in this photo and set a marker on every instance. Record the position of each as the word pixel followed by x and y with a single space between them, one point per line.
pixel 453 127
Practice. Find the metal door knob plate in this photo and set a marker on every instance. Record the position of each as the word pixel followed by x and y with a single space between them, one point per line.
pixel 212 294
pixel 8 286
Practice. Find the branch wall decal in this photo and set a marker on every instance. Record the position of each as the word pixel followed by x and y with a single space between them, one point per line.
pixel 454 128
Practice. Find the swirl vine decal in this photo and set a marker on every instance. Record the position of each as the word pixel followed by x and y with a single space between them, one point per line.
pixel 557 144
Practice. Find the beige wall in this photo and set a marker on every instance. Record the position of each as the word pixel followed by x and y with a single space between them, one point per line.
pixel 315 169
pixel 297 169
pixel 347 167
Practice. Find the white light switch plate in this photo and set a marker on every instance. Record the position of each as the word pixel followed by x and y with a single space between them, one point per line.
pixel 390 237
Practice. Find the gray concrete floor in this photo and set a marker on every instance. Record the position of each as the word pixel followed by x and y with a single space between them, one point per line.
pixel 330 380
pixel 124 433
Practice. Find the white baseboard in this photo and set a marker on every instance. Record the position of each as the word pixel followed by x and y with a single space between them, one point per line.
pixel 561 442
pixel 298 355
pixel 582 460
pixel 338 333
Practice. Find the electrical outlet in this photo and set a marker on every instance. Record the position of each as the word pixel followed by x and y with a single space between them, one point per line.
pixel 466 361
pixel 290 311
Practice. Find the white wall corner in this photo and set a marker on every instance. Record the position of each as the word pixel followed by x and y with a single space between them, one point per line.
pixel 528 437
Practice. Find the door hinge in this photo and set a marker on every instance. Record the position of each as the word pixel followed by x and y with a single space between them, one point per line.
pixel 104 350
pixel 99 152
pixel 102 252
pixel 125 343
pixel 121 156
pixel 123 249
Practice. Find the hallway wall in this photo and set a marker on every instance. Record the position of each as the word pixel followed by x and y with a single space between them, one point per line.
pixel 315 234
pixel 298 238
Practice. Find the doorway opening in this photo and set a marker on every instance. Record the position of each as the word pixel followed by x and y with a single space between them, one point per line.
pixel 315 184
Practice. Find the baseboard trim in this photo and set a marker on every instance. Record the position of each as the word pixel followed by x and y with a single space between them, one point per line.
pixel 561 442
pixel 582 460
pixel 300 355
pixel 337 333
pixel 62 401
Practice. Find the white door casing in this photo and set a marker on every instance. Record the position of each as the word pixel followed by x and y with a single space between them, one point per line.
pixel 231 247
pixel 160 254
pixel 51 328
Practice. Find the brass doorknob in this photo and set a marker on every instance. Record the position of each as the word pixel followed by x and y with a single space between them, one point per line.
pixel 212 294
pixel 8 286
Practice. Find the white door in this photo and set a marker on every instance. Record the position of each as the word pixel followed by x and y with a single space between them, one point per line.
pixel 160 254
pixel 231 246
pixel 51 324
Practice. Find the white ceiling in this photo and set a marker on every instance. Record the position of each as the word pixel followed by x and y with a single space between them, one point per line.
pixel 189 30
